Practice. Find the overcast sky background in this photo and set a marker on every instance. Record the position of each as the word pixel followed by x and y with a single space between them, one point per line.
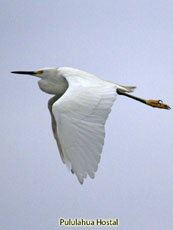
pixel 129 42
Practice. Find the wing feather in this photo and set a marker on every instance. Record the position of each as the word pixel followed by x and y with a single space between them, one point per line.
pixel 80 116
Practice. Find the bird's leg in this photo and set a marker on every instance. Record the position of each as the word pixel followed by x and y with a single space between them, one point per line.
pixel 154 103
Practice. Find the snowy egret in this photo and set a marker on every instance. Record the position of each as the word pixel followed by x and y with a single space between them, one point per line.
pixel 79 109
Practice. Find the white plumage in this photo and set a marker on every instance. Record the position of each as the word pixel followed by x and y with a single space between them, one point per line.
pixel 79 110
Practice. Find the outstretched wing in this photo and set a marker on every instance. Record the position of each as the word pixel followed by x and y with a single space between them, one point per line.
pixel 80 116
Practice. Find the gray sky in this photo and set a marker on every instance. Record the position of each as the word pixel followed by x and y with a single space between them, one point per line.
pixel 128 42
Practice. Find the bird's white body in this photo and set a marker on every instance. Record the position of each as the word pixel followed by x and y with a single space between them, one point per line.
pixel 55 82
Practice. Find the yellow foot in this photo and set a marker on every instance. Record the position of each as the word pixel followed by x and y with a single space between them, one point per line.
pixel 158 104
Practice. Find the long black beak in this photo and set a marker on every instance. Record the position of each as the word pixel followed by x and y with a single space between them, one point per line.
pixel 24 72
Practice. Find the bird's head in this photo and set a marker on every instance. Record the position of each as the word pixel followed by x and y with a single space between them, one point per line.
pixel 41 73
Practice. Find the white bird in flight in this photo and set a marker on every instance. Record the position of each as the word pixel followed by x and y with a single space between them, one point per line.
pixel 79 109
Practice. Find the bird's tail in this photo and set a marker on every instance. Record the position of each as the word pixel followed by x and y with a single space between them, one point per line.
pixel 127 89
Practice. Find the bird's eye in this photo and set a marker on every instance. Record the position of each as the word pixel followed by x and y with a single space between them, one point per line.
pixel 39 72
